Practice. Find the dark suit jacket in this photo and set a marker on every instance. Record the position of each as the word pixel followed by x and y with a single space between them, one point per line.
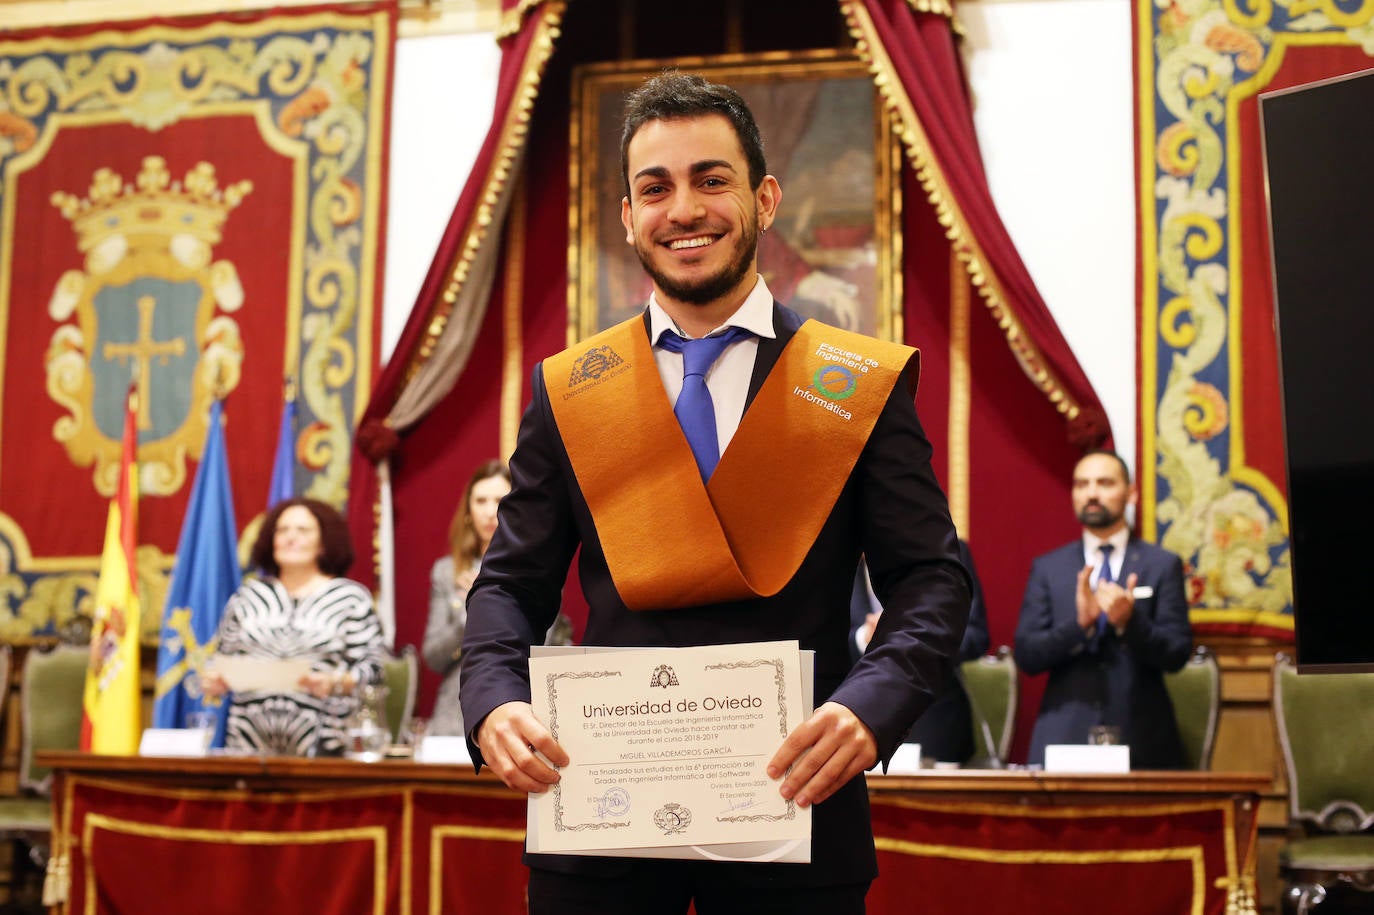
pixel 891 508
pixel 945 731
pixel 1111 679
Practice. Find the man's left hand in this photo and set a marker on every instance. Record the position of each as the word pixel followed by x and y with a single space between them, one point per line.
pixel 1117 601
pixel 828 749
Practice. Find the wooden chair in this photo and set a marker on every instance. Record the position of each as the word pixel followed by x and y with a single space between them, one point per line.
pixel 993 691
pixel 401 675
pixel 50 719
pixel 1324 722
pixel 22 819
pixel 1195 692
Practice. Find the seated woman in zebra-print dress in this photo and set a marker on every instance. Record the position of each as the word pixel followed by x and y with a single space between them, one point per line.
pixel 300 607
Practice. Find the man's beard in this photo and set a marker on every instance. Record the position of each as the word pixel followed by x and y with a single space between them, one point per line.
pixel 1097 515
pixel 708 289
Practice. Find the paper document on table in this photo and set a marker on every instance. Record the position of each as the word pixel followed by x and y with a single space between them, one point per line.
pixel 668 748
pixel 273 675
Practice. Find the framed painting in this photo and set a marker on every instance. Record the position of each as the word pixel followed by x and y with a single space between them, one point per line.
pixel 835 250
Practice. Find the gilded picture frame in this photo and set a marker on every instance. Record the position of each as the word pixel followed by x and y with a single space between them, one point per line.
pixel 836 250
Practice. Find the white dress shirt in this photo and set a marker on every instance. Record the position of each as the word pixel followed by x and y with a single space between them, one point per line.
pixel 1092 556
pixel 728 379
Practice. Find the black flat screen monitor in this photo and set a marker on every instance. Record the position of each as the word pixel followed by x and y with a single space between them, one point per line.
pixel 1319 153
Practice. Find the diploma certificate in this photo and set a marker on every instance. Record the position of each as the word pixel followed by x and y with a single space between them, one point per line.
pixel 245 674
pixel 668 748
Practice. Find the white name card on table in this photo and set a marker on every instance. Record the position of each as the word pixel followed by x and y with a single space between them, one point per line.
pixel 906 761
pixel 174 742
pixel 442 748
pixel 1111 759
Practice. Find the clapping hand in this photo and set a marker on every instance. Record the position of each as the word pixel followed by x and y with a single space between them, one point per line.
pixel 1116 601
pixel 1086 601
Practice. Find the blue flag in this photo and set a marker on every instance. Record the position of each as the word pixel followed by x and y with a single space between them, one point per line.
pixel 205 576
pixel 284 463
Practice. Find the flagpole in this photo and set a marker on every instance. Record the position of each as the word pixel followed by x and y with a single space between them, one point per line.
pixel 283 484
pixel 111 708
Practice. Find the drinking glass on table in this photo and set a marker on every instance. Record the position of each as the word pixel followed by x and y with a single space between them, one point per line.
pixel 413 734
pixel 365 730
pixel 1104 735
pixel 205 722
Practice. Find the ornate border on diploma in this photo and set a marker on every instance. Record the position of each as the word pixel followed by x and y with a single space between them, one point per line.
pixel 779 680
pixel 781 684
pixel 551 683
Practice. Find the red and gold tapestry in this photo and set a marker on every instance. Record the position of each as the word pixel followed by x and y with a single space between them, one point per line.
pixel 1212 473
pixel 194 205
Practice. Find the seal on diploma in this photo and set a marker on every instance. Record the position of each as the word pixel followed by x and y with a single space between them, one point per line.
pixel 672 819
pixel 614 803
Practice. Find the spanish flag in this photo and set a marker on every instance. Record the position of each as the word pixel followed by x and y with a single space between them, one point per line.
pixel 111 711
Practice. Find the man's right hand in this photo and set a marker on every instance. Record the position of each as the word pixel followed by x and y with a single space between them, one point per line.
pixel 508 738
pixel 870 625
pixel 1086 601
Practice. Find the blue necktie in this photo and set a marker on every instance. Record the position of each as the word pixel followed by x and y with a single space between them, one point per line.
pixel 694 410
pixel 1103 577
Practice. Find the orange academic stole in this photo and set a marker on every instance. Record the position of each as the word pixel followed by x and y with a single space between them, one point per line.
pixel 671 541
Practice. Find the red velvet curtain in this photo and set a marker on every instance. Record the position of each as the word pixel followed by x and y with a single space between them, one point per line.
pixel 1021 439
pixel 375 439
pixel 921 49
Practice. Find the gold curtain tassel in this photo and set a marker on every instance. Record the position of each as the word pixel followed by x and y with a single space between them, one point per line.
pixel 57 881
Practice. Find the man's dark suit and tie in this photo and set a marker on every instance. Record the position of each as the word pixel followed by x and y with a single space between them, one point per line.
pixel 1106 617
pixel 697 200
pixel 947 731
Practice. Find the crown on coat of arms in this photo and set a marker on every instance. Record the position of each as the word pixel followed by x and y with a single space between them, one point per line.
pixel 153 208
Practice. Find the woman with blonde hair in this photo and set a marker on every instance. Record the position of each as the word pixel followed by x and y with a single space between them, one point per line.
pixel 469 534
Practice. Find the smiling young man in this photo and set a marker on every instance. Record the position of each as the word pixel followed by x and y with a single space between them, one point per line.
pixel 693 213
pixel 1106 616
pixel 719 499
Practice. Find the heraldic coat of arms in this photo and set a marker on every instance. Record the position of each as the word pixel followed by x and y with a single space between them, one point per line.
pixel 150 309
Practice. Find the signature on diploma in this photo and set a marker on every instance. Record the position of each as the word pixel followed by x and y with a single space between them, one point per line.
pixel 739 803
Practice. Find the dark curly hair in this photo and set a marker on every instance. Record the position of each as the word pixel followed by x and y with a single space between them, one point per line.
pixel 336 547
pixel 671 95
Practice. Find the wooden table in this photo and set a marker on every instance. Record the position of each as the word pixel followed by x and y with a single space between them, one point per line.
pixel 279 836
